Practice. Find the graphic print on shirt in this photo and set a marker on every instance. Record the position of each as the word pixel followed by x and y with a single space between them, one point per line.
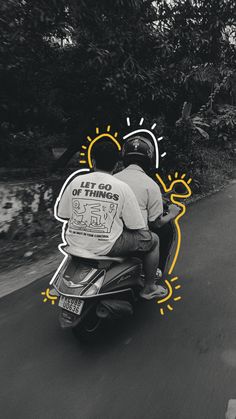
pixel 92 216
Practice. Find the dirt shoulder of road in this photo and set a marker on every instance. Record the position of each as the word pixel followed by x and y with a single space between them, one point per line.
pixel 23 275
pixel 29 262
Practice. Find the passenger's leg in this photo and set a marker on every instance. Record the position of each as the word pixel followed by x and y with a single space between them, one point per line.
pixel 166 237
pixel 146 244
pixel 150 265
pixel 151 262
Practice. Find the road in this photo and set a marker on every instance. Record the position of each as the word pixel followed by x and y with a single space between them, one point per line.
pixel 181 366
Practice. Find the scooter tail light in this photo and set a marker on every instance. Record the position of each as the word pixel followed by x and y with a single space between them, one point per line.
pixel 95 287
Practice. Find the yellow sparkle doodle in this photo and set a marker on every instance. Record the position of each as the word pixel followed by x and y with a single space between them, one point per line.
pixel 48 296
pixel 174 197
pixel 85 154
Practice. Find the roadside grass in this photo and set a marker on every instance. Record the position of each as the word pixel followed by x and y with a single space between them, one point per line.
pixel 214 170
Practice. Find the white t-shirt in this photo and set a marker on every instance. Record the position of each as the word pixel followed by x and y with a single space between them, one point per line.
pixel 98 206
pixel 147 191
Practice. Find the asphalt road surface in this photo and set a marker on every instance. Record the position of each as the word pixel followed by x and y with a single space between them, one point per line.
pixel 181 366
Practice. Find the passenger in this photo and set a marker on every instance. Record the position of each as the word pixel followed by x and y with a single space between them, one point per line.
pixel 104 217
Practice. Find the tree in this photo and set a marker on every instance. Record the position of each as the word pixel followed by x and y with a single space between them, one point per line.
pixel 122 57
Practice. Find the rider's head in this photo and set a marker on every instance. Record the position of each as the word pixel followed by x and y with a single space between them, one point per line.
pixel 105 155
pixel 139 150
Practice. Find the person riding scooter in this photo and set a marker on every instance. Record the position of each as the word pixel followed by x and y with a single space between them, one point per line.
pixel 138 156
pixel 104 217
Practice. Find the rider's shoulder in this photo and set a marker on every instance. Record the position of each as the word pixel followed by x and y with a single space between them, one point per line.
pixel 153 185
pixel 120 183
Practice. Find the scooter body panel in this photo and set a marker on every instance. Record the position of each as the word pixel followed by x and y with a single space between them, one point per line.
pixel 77 274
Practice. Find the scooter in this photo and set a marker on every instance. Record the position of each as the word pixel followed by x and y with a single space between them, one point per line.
pixel 94 289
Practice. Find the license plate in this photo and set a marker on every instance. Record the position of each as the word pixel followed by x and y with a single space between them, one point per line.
pixel 74 305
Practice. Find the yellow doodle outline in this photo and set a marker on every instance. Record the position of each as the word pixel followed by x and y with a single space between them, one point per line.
pixel 180 204
pixel 173 197
pixel 169 294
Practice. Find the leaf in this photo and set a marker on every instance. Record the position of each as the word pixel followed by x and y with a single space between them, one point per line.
pixel 203 133
pixel 198 121
pixel 186 111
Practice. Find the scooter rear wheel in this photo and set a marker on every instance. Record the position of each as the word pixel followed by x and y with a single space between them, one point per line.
pixel 88 329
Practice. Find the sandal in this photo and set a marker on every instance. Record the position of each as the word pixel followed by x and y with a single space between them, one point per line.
pixel 159 292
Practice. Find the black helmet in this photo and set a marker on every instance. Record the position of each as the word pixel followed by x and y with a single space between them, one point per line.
pixel 139 150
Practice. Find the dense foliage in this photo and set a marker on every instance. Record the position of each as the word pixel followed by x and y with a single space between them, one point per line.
pixel 67 65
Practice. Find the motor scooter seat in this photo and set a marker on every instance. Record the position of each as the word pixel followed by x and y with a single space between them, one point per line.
pixel 85 254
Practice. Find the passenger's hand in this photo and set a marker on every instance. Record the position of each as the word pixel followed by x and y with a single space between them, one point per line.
pixel 174 210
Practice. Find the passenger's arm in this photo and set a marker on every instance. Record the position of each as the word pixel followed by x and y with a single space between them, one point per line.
pixel 160 221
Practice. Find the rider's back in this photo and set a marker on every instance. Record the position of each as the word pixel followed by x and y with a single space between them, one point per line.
pixel 147 192
pixel 97 206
